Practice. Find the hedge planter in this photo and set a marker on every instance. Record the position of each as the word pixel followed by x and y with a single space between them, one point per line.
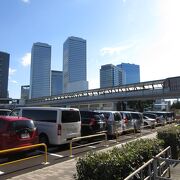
pixel 171 137
pixel 118 163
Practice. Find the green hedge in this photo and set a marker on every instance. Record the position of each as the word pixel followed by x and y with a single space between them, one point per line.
pixel 118 163
pixel 171 137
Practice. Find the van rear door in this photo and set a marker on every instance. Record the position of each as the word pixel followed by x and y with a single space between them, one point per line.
pixel 70 124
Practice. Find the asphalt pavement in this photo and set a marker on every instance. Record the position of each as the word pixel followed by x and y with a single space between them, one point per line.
pixel 67 169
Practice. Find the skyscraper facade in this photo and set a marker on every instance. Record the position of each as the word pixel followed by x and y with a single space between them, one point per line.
pixel 25 92
pixel 4 73
pixel 40 74
pixel 74 65
pixel 110 76
pixel 132 72
pixel 56 82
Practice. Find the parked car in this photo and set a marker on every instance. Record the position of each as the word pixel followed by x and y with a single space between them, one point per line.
pixel 170 116
pixel 127 120
pixel 92 122
pixel 132 120
pixel 149 121
pixel 56 125
pixel 138 120
pixel 17 132
pixel 113 121
pixel 160 116
pixel 4 112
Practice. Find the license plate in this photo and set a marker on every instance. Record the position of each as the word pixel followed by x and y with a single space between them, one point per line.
pixel 24 136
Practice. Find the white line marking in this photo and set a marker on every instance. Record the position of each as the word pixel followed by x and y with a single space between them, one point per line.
pixel 92 147
pixel 1 172
pixel 112 140
pixel 52 154
pixel 57 155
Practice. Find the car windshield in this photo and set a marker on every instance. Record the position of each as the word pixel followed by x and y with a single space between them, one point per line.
pixel 23 124
pixel 153 116
pixel 135 116
pixel 97 117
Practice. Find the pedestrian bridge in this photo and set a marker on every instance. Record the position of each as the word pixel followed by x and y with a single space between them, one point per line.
pixel 168 88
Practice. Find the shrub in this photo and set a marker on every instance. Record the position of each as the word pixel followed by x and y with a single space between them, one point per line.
pixel 171 137
pixel 118 163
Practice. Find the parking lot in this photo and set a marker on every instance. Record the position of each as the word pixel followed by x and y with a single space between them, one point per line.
pixel 62 153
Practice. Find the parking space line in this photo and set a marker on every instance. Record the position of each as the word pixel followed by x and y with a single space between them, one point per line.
pixel 57 155
pixel 93 147
pixel 52 154
pixel 1 172
pixel 112 140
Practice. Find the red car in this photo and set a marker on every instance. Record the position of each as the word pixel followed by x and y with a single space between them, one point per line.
pixel 17 132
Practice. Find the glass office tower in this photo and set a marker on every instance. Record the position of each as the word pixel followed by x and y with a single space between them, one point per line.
pixel 4 73
pixel 40 74
pixel 25 92
pixel 110 76
pixel 74 65
pixel 132 72
pixel 56 82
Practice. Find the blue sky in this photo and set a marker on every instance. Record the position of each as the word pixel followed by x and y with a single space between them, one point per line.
pixel 144 32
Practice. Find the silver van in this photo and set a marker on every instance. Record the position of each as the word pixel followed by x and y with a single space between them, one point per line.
pixel 132 120
pixel 55 125
pixel 138 120
pixel 113 121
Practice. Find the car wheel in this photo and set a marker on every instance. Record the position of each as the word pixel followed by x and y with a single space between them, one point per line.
pixel 146 124
pixel 135 129
pixel 44 139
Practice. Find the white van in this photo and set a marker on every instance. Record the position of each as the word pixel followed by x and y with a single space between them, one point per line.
pixel 55 125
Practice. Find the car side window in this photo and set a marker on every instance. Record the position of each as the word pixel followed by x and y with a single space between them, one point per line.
pixel 15 112
pixel 117 117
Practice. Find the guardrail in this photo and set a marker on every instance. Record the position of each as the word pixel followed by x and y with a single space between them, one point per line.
pixel 86 137
pixel 155 168
pixel 25 148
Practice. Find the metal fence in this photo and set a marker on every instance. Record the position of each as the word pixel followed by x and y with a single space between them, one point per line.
pixel 104 133
pixel 7 151
pixel 156 168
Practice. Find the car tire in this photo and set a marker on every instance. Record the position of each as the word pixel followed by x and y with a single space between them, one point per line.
pixel 44 139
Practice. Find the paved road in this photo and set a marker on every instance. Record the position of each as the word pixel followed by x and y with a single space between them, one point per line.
pixel 64 170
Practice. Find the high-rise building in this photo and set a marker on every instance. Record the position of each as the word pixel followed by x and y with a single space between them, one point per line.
pixel 25 92
pixel 56 82
pixel 132 72
pixel 110 76
pixel 40 75
pixel 74 65
pixel 4 73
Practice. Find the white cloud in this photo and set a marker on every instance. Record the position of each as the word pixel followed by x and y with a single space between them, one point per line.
pixel 12 71
pixel 14 82
pixel 115 50
pixel 25 1
pixel 26 59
